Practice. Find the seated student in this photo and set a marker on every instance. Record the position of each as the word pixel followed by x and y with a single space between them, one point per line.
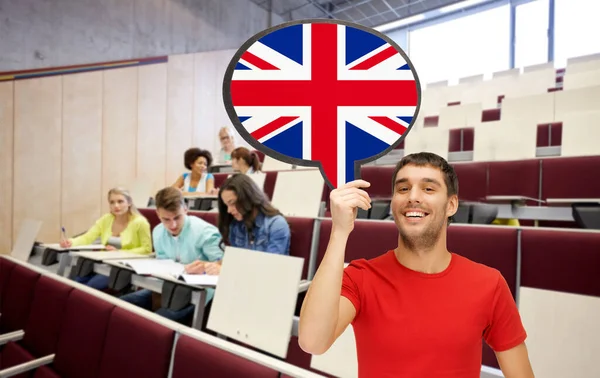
pixel 198 180
pixel 227 144
pixel 247 220
pixel 245 161
pixel 122 228
pixel 182 238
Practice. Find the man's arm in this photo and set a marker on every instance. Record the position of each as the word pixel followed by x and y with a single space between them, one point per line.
pixel 514 362
pixel 506 333
pixel 208 245
pixel 325 314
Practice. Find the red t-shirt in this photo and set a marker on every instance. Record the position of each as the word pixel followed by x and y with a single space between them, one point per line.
pixel 414 325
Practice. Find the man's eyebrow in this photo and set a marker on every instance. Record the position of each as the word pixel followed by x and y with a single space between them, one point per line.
pixel 432 181
pixel 428 180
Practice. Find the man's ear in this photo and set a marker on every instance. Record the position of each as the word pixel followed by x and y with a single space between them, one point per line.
pixel 452 207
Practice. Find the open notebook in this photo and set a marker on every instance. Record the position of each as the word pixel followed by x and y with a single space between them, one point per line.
pixel 165 267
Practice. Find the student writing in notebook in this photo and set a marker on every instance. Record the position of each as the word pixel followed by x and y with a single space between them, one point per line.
pixel 247 220
pixel 182 238
pixel 123 228
pixel 198 180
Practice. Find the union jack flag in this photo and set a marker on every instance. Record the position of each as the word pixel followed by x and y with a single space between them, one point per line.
pixel 324 92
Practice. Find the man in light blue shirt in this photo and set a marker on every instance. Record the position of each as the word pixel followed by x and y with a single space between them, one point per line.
pixel 182 238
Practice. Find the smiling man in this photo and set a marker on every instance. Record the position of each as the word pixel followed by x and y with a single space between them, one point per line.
pixel 418 310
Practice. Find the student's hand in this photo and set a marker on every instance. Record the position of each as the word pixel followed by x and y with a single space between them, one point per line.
pixel 197 267
pixel 212 268
pixel 65 243
pixel 110 248
pixel 344 203
pixel 214 191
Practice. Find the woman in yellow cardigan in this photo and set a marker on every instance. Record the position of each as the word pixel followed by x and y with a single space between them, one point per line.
pixel 124 228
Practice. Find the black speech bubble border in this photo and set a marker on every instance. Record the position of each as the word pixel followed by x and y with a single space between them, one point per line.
pixel 233 116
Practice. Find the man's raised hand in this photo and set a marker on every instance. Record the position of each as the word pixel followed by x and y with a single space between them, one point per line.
pixel 344 203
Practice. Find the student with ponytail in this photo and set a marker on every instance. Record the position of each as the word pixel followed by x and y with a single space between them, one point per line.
pixel 245 161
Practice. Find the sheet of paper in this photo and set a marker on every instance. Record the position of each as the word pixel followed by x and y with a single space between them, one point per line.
pixel 200 279
pixel 153 266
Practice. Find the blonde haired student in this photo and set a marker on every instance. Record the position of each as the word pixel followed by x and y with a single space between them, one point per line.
pixel 123 228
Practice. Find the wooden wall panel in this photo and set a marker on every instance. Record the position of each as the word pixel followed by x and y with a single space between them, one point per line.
pixel 119 129
pixel 203 135
pixel 152 124
pixel 180 105
pixel 209 109
pixel 37 155
pixel 6 165
pixel 82 194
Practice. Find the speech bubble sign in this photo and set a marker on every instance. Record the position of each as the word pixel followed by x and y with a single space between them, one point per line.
pixel 322 93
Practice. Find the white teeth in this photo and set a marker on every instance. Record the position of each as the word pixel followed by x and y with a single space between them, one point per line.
pixel 415 214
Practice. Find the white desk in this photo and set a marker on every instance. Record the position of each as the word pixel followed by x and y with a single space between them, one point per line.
pixel 511 199
pixel 152 283
pixel 572 200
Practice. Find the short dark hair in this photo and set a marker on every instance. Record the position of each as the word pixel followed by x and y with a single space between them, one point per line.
pixel 422 159
pixel 191 155
pixel 170 199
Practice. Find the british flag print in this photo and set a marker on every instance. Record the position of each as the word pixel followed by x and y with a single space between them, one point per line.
pixel 322 92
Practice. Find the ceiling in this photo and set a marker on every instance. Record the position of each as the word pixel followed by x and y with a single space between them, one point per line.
pixel 370 13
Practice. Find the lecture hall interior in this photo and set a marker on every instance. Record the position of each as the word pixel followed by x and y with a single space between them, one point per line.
pixel 104 103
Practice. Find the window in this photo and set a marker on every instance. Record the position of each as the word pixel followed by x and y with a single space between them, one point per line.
pixel 576 29
pixel 470 45
pixel 531 33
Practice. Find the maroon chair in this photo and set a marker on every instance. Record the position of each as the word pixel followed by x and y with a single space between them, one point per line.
pixel 151 215
pixel 81 340
pixel 468 135
pixel 502 180
pixel 454 144
pixel 17 298
pixel 380 178
pixel 136 347
pixel 431 121
pixel 6 268
pixel 301 240
pixel 556 134
pixel 297 357
pixel 543 135
pixel 560 174
pixel 269 185
pixel 490 115
pixel 43 326
pixel 368 240
pixel 220 178
pixel 493 246
pixel 261 155
pixel 472 181
pixel 194 358
pixel 561 260
pixel 47 310
pixel 300 246
pixel 207 216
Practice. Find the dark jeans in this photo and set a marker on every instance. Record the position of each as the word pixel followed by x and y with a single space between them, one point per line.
pixel 143 298
pixel 96 281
